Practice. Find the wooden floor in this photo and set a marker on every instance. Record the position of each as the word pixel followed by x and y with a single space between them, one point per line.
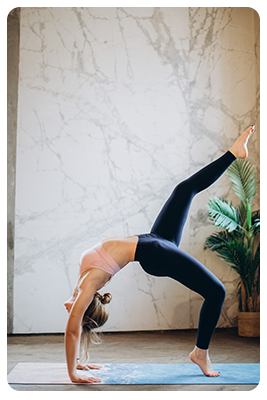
pixel 144 347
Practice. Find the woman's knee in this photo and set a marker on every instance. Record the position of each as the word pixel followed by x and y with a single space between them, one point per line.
pixel 220 292
pixel 217 292
pixel 183 193
pixel 182 187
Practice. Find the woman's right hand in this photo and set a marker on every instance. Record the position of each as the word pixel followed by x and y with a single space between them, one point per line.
pixel 84 379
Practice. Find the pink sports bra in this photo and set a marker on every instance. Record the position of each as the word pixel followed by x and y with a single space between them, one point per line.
pixel 98 258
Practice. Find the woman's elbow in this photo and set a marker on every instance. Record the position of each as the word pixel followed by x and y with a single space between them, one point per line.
pixel 72 333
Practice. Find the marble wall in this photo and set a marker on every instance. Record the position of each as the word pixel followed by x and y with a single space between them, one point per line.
pixel 13 28
pixel 116 106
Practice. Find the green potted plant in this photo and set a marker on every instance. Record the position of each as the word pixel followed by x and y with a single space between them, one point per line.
pixel 237 242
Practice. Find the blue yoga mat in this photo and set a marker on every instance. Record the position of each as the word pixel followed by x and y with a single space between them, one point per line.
pixel 137 374
pixel 176 374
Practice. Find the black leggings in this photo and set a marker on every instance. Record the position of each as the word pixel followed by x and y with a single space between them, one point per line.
pixel 159 255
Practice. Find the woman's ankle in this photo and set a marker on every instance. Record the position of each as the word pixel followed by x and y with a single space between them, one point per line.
pixel 201 353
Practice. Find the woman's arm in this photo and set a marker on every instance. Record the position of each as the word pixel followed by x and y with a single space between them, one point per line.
pixel 72 340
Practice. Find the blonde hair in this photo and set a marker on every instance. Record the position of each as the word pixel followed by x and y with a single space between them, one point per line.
pixel 95 316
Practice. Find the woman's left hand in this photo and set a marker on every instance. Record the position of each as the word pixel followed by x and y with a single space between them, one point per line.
pixel 87 366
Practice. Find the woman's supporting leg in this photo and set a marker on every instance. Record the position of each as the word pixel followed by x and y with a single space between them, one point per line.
pixel 191 273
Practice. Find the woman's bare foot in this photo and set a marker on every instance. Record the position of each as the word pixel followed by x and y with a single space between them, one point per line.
pixel 239 149
pixel 201 358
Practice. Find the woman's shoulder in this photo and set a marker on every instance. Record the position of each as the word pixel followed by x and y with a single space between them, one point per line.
pixel 94 277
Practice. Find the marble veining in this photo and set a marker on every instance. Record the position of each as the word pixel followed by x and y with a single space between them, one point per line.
pixel 116 106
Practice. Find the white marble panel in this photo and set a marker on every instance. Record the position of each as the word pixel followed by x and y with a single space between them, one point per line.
pixel 116 106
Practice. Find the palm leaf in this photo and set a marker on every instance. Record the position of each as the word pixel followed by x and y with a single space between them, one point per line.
pixel 256 227
pixel 256 259
pixel 243 180
pixel 229 249
pixel 255 222
pixel 216 241
pixel 236 254
pixel 222 214
pixel 255 215
pixel 255 263
pixel 242 210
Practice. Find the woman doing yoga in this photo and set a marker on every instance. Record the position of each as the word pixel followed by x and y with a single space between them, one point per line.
pixel 159 255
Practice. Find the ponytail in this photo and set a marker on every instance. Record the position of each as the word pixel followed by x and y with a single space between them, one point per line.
pixel 95 316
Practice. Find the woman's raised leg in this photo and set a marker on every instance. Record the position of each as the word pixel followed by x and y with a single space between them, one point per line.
pixel 171 219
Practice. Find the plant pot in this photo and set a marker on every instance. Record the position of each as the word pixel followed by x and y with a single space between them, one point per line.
pixel 249 324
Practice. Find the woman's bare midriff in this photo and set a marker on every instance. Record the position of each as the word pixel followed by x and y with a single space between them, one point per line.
pixel 121 249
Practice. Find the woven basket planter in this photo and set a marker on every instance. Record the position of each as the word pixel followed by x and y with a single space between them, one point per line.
pixel 249 324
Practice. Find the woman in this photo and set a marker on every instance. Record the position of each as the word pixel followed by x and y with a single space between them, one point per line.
pixel 159 255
